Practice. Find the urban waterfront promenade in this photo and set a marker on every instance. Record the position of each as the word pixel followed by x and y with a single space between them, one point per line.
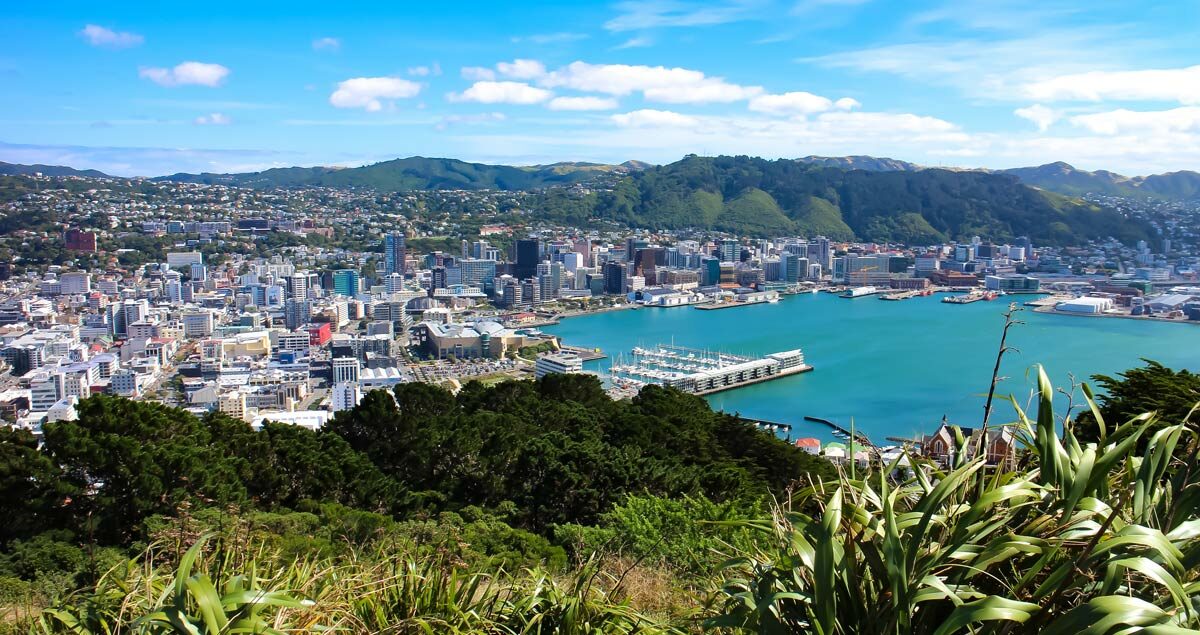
pixel 894 367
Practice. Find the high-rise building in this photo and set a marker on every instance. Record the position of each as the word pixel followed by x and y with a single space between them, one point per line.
pixel 394 253
pixel 79 240
pixel 345 282
pixel 729 250
pixel 527 256
pixel 614 277
pixel 297 313
pixel 297 285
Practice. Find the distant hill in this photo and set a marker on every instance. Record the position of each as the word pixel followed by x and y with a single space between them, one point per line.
pixel 419 173
pixel 861 162
pixel 753 196
pixel 1066 179
pixel 48 170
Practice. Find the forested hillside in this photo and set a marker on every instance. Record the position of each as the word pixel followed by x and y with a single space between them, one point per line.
pixel 758 197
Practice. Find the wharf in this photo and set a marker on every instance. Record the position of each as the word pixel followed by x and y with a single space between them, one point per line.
pixel 713 306
pixel 704 372
pixel 585 354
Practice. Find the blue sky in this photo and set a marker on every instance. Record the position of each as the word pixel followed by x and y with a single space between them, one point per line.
pixel 152 88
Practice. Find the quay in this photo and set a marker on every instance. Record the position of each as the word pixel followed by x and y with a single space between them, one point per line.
pixel 703 372
pixel 585 354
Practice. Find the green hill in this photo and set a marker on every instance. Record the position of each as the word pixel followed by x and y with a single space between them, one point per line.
pixel 48 170
pixel 764 198
pixel 1066 179
pixel 417 173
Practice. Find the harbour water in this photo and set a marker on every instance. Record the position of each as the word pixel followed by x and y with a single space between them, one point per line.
pixel 894 367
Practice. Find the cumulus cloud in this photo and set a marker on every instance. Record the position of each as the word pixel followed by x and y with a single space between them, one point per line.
pixel 99 36
pixel 649 118
pixel 582 103
pixel 656 83
pixel 327 44
pixel 490 92
pixel 214 119
pixel 799 103
pixel 1122 121
pixel 1177 84
pixel 186 74
pixel 521 69
pixel 1040 115
pixel 369 93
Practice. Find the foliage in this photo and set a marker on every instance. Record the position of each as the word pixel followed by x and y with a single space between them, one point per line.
pixel 1085 538
pixel 1151 388
pixel 772 198
pixel 228 591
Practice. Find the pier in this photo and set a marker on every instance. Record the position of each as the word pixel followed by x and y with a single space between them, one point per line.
pixel 704 372
pixel 585 354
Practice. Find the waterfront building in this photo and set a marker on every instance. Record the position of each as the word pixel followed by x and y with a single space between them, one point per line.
pixel 561 362
pixel 1013 284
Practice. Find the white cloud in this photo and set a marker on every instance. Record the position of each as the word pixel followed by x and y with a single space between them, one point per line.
pixel 656 83
pixel 489 92
pixel 369 92
pixel 794 103
pixel 648 118
pixel 582 103
pixel 1122 121
pixel 521 69
pixel 847 103
pixel 478 73
pixel 1040 115
pixel 187 73
pixel 434 69
pixel 1178 84
pixel 214 119
pixel 99 36
pixel 327 44
pixel 649 14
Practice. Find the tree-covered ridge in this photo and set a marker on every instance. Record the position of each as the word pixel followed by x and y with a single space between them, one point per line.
pixel 1067 179
pixel 1061 535
pixel 556 451
pixel 417 173
pixel 759 197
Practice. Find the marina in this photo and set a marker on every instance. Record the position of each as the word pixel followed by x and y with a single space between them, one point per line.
pixel 702 372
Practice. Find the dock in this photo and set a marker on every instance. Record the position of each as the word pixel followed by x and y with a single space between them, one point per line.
pixel 701 372
pixel 969 298
pixel 585 354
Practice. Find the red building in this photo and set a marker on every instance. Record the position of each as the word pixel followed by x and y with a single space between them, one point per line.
pixel 319 333
pixel 79 240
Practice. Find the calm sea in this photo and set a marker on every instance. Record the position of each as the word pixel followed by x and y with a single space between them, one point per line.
pixel 896 368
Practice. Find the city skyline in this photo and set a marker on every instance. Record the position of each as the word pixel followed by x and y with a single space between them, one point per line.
pixel 136 92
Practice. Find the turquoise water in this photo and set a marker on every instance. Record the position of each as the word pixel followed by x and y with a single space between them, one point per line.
pixel 894 367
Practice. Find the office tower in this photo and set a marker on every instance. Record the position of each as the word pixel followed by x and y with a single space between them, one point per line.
pixel 297 313
pixel 297 285
pixel 345 282
pixel 710 271
pixel 526 258
pixel 394 253
pixel 729 250
pixel 614 277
